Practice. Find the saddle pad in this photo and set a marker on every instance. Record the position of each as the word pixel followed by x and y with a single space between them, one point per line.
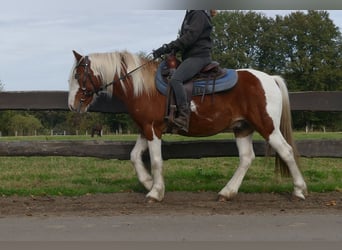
pixel 201 87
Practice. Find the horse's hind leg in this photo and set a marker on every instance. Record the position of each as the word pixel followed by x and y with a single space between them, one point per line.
pixel 246 154
pixel 285 151
pixel 136 158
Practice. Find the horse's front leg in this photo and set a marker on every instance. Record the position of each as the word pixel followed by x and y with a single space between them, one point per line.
pixel 158 188
pixel 136 158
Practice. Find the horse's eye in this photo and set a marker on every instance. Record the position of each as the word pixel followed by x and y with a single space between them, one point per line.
pixel 77 76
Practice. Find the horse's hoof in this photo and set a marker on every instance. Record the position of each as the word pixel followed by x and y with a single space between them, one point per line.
pixel 298 197
pixel 222 198
pixel 299 194
pixel 151 200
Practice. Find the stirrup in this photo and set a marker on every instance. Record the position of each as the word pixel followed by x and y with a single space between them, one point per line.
pixel 182 126
pixel 170 116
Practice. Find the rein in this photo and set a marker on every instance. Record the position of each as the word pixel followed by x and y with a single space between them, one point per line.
pixel 123 77
pixel 96 91
pixel 87 93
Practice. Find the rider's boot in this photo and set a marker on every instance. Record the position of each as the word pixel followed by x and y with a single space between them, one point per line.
pixel 182 120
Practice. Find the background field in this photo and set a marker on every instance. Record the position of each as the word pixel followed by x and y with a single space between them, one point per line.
pixel 83 175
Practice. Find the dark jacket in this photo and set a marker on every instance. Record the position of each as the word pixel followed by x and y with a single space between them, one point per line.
pixel 194 39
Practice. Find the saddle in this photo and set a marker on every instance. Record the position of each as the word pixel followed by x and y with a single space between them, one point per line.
pixel 209 72
pixel 210 80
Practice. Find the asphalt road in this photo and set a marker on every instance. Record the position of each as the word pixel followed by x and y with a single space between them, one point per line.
pixel 256 227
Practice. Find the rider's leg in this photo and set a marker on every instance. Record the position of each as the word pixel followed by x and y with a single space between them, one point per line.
pixel 187 69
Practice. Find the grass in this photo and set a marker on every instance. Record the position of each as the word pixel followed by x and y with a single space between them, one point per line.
pixel 81 175
pixel 77 176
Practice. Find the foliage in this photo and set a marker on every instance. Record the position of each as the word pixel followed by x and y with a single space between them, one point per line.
pixel 306 48
pixel 4 124
pixel 23 124
pixel 62 122
pixel 235 37
pixel 313 52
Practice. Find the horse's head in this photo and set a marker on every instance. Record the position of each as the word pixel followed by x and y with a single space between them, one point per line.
pixel 83 84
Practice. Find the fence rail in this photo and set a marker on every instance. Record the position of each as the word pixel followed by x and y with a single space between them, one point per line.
pixel 57 100
pixel 170 150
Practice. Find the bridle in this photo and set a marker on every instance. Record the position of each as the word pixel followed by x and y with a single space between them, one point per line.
pixel 95 90
pixel 83 84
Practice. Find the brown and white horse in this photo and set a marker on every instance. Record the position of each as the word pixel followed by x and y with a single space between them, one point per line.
pixel 258 102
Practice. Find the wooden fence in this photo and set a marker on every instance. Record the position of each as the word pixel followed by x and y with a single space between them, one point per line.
pixel 58 100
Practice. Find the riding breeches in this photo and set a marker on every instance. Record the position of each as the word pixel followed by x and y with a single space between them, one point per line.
pixel 185 71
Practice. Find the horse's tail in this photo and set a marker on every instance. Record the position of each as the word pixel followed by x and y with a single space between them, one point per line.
pixel 285 126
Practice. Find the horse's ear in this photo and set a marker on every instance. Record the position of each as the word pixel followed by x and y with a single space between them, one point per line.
pixel 77 55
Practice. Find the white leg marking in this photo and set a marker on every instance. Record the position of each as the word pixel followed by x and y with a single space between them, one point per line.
pixel 158 189
pixel 136 158
pixel 246 154
pixel 285 151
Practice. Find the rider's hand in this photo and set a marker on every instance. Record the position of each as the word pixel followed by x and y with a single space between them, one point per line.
pixel 165 49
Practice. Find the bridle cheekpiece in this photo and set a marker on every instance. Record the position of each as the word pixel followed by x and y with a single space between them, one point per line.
pixel 83 85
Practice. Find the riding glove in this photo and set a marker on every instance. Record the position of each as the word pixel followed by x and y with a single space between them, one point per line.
pixel 165 49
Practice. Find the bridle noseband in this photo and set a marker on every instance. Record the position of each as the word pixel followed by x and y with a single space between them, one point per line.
pixel 83 85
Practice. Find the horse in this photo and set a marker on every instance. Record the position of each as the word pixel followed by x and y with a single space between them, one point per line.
pixel 258 102
pixel 96 129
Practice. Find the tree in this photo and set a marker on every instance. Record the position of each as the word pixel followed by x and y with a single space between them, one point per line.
pixel 236 38
pixel 313 53
pixel 4 124
pixel 23 124
pixel 51 118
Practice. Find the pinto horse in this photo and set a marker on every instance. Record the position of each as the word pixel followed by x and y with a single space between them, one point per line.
pixel 258 102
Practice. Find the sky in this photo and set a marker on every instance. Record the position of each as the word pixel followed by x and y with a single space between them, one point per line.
pixel 37 36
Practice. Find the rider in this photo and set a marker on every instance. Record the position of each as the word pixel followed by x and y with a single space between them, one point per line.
pixel 195 44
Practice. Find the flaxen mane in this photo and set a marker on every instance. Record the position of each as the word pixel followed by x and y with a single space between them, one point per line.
pixel 107 65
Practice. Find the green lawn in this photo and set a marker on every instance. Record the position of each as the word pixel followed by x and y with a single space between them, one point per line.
pixel 82 175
